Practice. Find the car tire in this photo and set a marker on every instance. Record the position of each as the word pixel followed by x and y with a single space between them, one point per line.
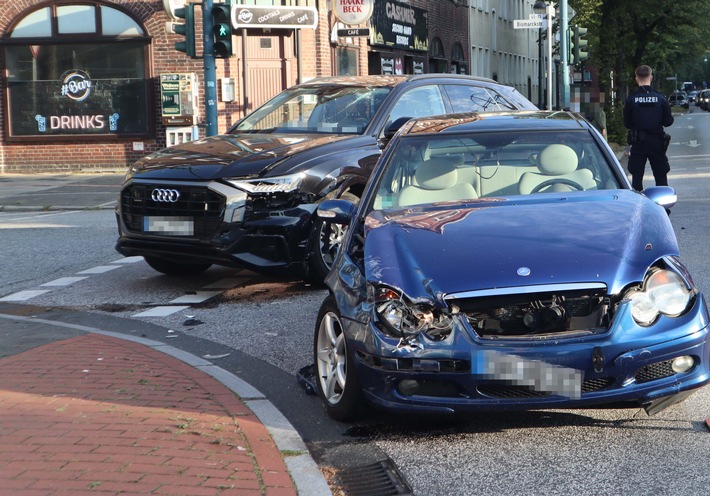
pixel 337 382
pixel 325 241
pixel 172 267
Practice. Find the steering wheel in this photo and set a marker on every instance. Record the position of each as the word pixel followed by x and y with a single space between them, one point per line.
pixel 557 180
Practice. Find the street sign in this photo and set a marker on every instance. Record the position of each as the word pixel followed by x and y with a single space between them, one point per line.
pixel 275 17
pixel 528 23
pixel 345 33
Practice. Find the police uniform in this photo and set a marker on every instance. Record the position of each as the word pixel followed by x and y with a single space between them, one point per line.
pixel 648 112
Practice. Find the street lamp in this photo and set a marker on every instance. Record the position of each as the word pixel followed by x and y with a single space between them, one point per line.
pixel 542 7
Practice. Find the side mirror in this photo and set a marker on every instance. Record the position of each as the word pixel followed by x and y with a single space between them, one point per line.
pixel 665 196
pixel 393 127
pixel 337 211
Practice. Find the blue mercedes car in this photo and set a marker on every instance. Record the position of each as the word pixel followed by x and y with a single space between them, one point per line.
pixel 502 261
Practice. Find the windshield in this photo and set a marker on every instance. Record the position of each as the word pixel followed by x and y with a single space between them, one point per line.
pixel 444 167
pixel 318 109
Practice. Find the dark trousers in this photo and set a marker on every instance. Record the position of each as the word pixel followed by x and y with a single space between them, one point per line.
pixel 653 150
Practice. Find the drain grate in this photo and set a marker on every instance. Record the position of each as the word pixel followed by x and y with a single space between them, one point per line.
pixel 376 479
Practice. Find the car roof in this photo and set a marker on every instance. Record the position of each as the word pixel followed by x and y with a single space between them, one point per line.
pixel 541 120
pixel 392 80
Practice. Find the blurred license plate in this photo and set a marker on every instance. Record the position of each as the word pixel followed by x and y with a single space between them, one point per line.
pixel 170 226
pixel 540 376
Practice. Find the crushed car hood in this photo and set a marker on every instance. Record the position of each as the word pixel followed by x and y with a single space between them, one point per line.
pixel 243 155
pixel 608 237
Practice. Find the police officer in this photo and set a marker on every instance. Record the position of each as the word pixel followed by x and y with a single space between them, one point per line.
pixel 646 113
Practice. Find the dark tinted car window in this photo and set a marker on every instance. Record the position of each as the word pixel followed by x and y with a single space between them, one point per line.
pixel 419 102
pixel 465 98
pixel 319 109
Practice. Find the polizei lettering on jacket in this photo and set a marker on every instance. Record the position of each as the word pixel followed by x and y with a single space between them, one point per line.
pixel 646 99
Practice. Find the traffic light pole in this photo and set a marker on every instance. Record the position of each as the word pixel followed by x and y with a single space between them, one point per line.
pixel 564 52
pixel 210 69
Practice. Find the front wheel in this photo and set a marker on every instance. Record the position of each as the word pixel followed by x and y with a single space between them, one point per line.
pixel 336 378
pixel 326 238
pixel 172 267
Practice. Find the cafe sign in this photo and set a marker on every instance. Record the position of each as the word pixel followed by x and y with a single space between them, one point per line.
pixel 353 12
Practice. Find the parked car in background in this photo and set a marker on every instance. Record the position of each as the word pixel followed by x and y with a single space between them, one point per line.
pixel 502 261
pixel 246 198
pixel 678 100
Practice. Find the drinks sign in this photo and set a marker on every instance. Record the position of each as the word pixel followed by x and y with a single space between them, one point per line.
pixel 353 12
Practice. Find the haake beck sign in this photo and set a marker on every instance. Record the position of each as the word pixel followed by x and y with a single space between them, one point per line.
pixel 353 11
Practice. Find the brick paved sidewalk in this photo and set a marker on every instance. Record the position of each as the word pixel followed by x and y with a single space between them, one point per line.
pixel 98 415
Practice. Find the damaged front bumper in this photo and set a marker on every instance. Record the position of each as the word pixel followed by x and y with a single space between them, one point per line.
pixel 625 367
pixel 225 227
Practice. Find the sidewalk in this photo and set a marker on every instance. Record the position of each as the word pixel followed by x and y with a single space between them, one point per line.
pixel 102 413
pixel 70 191
pixel 87 411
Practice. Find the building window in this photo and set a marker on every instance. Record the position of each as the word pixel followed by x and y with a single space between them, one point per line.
pixel 437 58
pixel 77 70
pixel 458 59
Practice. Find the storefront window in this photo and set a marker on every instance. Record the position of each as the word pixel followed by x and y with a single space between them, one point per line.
pixel 86 79
pixel 346 61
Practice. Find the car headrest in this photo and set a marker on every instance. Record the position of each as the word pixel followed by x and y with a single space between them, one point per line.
pixel 557 159
pixel 436 173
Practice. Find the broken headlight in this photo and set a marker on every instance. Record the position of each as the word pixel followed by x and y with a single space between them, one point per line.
pixel 279 184
pixel 402 318
pixel 664 292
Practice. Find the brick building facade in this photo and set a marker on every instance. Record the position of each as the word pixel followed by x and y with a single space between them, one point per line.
pixel 83 80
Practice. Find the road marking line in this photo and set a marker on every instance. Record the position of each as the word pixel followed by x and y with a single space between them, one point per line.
pixel 128 260
pixel 198 297
pixel 24 295
pixel 64 281
pixel 100 269
pixel 162 311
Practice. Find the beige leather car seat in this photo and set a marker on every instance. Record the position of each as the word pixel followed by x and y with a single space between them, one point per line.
pixel 436 180
pixel 557 162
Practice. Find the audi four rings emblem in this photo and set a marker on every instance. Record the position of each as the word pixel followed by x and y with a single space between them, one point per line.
pixel 165 195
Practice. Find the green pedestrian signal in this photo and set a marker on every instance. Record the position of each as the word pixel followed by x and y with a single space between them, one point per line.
pixel 222 29
pixel 186 29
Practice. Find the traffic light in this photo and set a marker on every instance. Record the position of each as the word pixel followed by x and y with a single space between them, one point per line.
pixel 222 29
pixel 579 44
pixel 187 29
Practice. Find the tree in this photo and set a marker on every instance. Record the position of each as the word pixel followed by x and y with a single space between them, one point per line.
pixel 623 34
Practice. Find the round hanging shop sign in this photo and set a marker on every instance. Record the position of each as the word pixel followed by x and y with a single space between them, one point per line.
pixel 353 12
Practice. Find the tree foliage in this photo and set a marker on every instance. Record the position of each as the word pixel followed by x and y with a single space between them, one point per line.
pixel 670 36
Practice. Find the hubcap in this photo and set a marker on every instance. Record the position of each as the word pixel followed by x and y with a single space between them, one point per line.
pixel 330 240
pixel 331 358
